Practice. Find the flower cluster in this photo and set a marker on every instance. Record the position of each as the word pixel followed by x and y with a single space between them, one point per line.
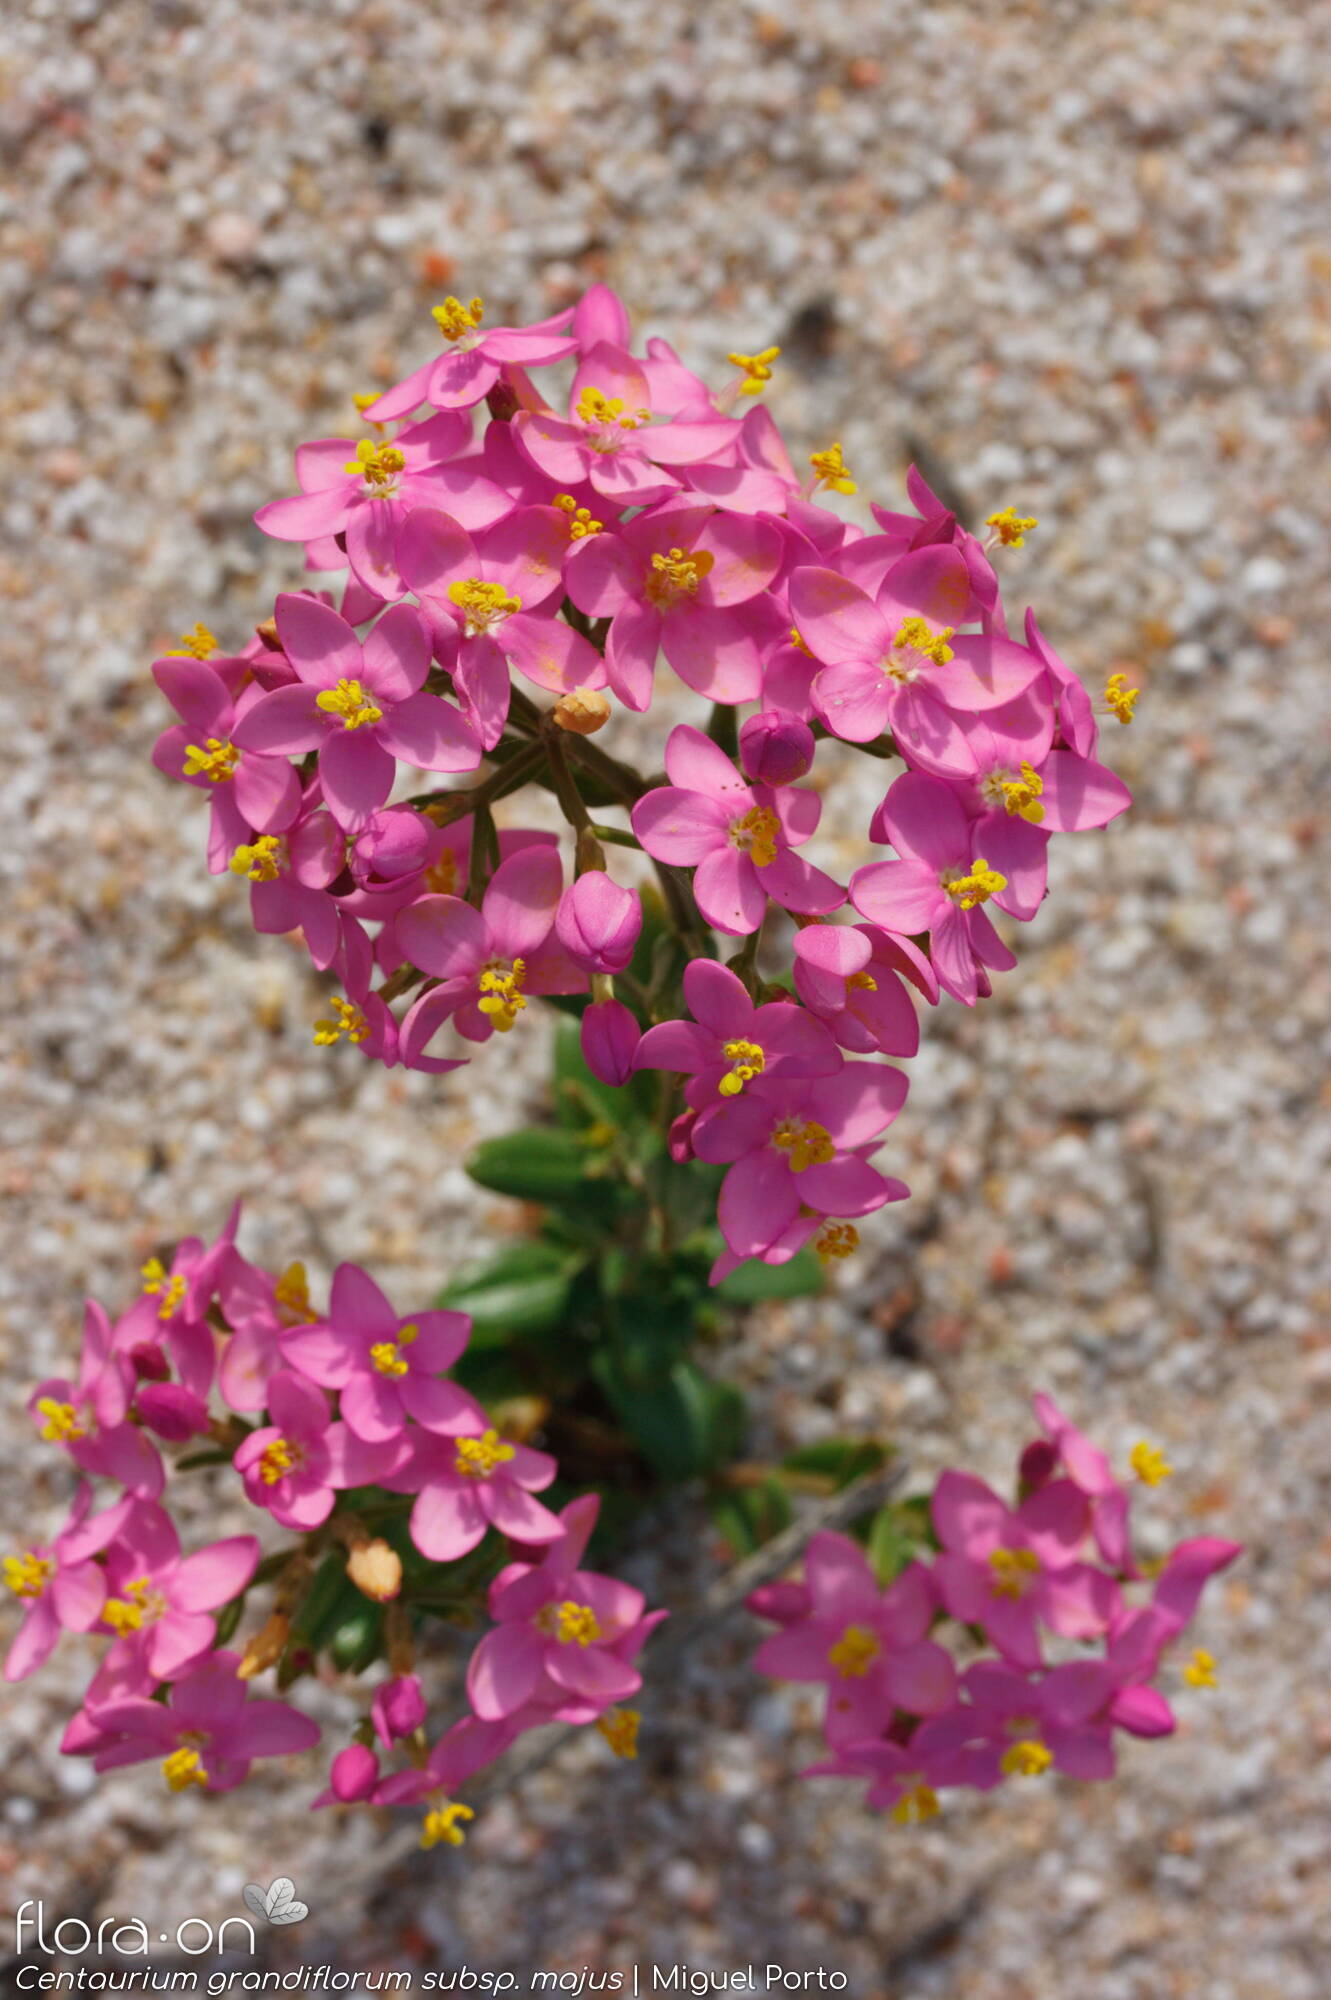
pixel 1054 1574
pixel 509 572
pixel 345 1430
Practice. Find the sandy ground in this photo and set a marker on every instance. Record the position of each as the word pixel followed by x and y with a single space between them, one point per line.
pixel 1080 252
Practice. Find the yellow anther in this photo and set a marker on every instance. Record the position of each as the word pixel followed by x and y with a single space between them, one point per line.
pixel 62 1424
pixel 854 1652
pixel 172 1294
pixel 676 574
pixel 595 407
pixel 1120 699
pixel 501 995
pixel 1027 1759
pixel 1200 1670
pixel 484 605
pixel 756 368
pixel 477 1457
pixel 215 760
pixel 969 890
pixel 184 1768
pixel 746 1060
pixel 756 835
pixel 349 700
pixel 140 1605
pixel 798 640
pixel 28 1575
pixel 576 1624
pixel 442 876
pixel 291 1295
pixel 196 644
pixel 836 1239
pixel 831 470
pixel 377 463
pixel 1010 528
pixel 1014 1571
pixel 580 520
pixel 348 1020
pixel 919 1802
pixel 387 1356
pixel 808 1144
pixel 280 1458
pixel 1149 1463
pixel 365 398
pixel 619 1726
pixel 917 635
pixel 863 982
pixel 153 1274
pixel 260 861
pixel 1021 796
pixel 443 1823
pixel 454 320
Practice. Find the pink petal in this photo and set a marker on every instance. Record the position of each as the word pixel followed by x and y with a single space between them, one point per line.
pixel 680 826
pixel 396 654
pixel 285 723
pixel 428 732
pixel 729 890
pixel 320 645
pixel 504 1670
pixel 443 936
pixel 434 550
pixel 356 773
pixel 519 905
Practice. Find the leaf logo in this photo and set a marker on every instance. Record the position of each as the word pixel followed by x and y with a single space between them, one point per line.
pixel 277 1904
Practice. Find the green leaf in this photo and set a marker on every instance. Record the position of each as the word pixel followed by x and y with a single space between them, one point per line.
pixel 328 1600
pixel 540 1164
pixel 748 1516
pixel 837 1460
pixel 358 1638
pixel 523 1291
pixel 685 1424
pixel 753 1282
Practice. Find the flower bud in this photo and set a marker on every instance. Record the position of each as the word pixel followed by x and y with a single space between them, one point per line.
pixel 775 748
pixel 395 841
pixel 598 922
pixel 354 1773
pixel 266 1647
pixel 172 1411
pixel 680 1138
pixel 582 711
pixel 376 1570
pixel 610 1037
pixel 398 1708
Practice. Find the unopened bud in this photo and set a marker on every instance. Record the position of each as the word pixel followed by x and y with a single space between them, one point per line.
pixel 267 632
pixel 502 402
pixel 582 711
pixel 376 1570
pixel 266 1648
pixel 775 748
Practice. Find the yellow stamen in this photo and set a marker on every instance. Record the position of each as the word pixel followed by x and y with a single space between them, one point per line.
pixel 1014 1571
pixel 214 760
pixel 746 1060
pixel 619 1726
pixel 1022 795
pixel 863 982
pixel 580 521
pixel 798 640
pixel 140 1605
pixel 443 1824
pixel 182 1769
pixel 1200 1670
pixel 977 887
pixel 917 635
pixel 280 1458
pixel 1120 699
pixel 442 876
pixel 919 1803
pixel 595 407
pixel 836 1239
pixel 196 644
pixel 831 470
pixel 808 1144
pixel 387 1356
pixel 378 463
pixel 364 399
pixel 756 369
pixel 756 835
pixel 349 700
pixel 477 1457
pixel 1027 1759
pixel 27 1575
pixel 349 1021
pixel 62 1425
pixel 854 1652
pixel 291 1295
pixel 576 1624
pixel 676 574
pixel 1010 528
pixel 1149 1463
pixel 258 862
pixel 484 604
pixel 502 997
pixel 454 320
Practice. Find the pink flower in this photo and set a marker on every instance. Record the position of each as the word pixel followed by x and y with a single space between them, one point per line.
pixel 292 1466
pixel 87 1418
pixel 1022 1727
pixel 207 1732
pixel 289 876
pixel 471 1481
pixel 385 1366
pixel 459 1754
pixel 868 1646
pixel 249 789
pixel 598 923
pixel 1091 1473
pixel 174 1309
pixel 398 1708
pixel 1013 1571
pixel 488 960
pixel 158 1601
pixel 686 581
pixel 850 978
pixel 905 1779
pixel 610 1036
pixel 730 1042
pixel 259 1308
pixel 558 1632
pixel 740 839
pixel 59 1590
pixel 473 360
pixel 939 884
pixel 359 706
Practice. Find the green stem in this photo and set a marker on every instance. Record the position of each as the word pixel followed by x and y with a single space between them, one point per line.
pixel 723 729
